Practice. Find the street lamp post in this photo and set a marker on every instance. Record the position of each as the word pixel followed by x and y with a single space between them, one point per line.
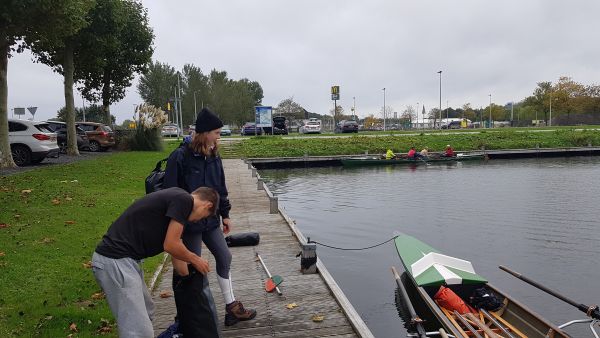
pixel 490 95
pixel 440 72
pixel 195 109
pixel 550 119
pixel 384 109
pixel 353 107
pixel 417 113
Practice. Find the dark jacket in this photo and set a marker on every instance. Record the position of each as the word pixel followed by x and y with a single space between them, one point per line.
pixel 190 171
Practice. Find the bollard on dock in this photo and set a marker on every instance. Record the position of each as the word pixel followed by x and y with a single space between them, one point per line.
pixel 273 205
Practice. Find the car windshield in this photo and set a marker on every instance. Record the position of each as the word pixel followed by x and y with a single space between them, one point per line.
pixel 106 128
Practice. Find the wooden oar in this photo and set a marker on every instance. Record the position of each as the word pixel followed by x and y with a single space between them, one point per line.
pixel 414 319
pixel 273 281
pixel 590 311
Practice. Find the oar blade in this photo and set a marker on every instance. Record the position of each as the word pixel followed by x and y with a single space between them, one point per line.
pixel 277 280
pixel 272 283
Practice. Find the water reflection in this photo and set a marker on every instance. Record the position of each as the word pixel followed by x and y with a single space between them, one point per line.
pixel 538 216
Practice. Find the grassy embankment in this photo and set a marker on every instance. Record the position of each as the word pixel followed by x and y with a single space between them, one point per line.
pixel 50 222
pixel 276 146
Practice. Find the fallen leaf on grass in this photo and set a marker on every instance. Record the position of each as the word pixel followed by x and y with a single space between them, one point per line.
pixel 74 181
pixel 4 225
pixel 105 326
pixel 46 240
pixel 165 294
pixel 2 254
pixel 98 296
pixel 73 327
pixel 317 318
pixel 26 191
pixel 56 201
pixel 87 265
pixel 291 306
pixel 69 222
pixel 17 216
pixel 68 198
pixel 63 181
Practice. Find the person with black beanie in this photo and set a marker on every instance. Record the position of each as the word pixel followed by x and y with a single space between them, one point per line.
pixel 197 164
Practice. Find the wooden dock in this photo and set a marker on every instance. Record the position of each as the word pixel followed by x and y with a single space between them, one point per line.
pixel 255 210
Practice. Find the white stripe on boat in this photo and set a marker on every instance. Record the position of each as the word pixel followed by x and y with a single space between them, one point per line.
pixel 441 263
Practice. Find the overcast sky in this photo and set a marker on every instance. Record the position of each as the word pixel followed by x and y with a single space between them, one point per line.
pixel 302 48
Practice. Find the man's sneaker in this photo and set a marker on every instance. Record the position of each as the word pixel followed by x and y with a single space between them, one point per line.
pixel 236 312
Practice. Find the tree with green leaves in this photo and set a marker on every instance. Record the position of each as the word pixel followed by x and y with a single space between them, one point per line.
pixel 290 109
pixel 12 28
pixel 115 46
pixel 92 113
pixel 196 92
pixel 33 20
pixel 56 47
pixel 157 85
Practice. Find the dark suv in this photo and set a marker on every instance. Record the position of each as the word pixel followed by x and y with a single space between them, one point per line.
pixel 60 128
pixel 100 135
pixel 346 126
pixel 280 125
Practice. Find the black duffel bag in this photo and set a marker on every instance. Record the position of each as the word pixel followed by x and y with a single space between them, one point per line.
pixel 196 310
pixel 243 239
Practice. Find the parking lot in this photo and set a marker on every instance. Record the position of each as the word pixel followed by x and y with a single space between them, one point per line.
pixel 62 159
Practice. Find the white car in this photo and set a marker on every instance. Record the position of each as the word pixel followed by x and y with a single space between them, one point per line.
pixel 312 126
pixel 31 141
pixel 169 130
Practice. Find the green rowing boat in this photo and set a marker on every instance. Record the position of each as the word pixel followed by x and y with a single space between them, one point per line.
pixel 372 161
pixel 429 271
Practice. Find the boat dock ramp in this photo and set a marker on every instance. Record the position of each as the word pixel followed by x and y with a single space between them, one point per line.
pixel 310 305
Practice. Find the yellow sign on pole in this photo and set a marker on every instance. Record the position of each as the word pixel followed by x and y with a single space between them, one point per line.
pixel 169 106
pixel 335 92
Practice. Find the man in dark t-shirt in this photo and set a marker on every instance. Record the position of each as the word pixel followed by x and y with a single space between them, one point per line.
pixel 149 226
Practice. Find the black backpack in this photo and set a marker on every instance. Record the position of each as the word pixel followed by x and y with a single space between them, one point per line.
pixel 154 181
pixel 483 298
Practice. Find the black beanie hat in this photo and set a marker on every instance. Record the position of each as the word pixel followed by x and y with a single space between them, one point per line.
pixel 207 121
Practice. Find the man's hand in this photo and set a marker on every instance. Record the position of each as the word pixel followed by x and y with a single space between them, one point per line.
pixel 226 225
pixel 201 265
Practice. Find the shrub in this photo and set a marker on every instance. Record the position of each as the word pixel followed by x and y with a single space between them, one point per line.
pixel 146 136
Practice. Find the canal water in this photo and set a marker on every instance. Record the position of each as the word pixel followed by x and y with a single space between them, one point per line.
pixel 539 217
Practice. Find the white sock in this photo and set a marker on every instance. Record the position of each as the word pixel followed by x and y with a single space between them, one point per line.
pixel 226 289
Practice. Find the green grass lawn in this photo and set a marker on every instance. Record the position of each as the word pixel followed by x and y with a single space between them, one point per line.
pixel 52 218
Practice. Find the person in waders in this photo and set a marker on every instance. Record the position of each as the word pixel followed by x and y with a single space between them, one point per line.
pixel 196 164
pixel 149 226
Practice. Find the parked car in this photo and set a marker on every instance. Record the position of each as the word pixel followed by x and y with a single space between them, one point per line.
pixel 250 129
pixel 101 137
pixel 31 142
pixel 346 126
pixel 170 130
pixel 311 126
pixel 452 125
pixel 280 125
pixel 60 128
pixel 225 131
